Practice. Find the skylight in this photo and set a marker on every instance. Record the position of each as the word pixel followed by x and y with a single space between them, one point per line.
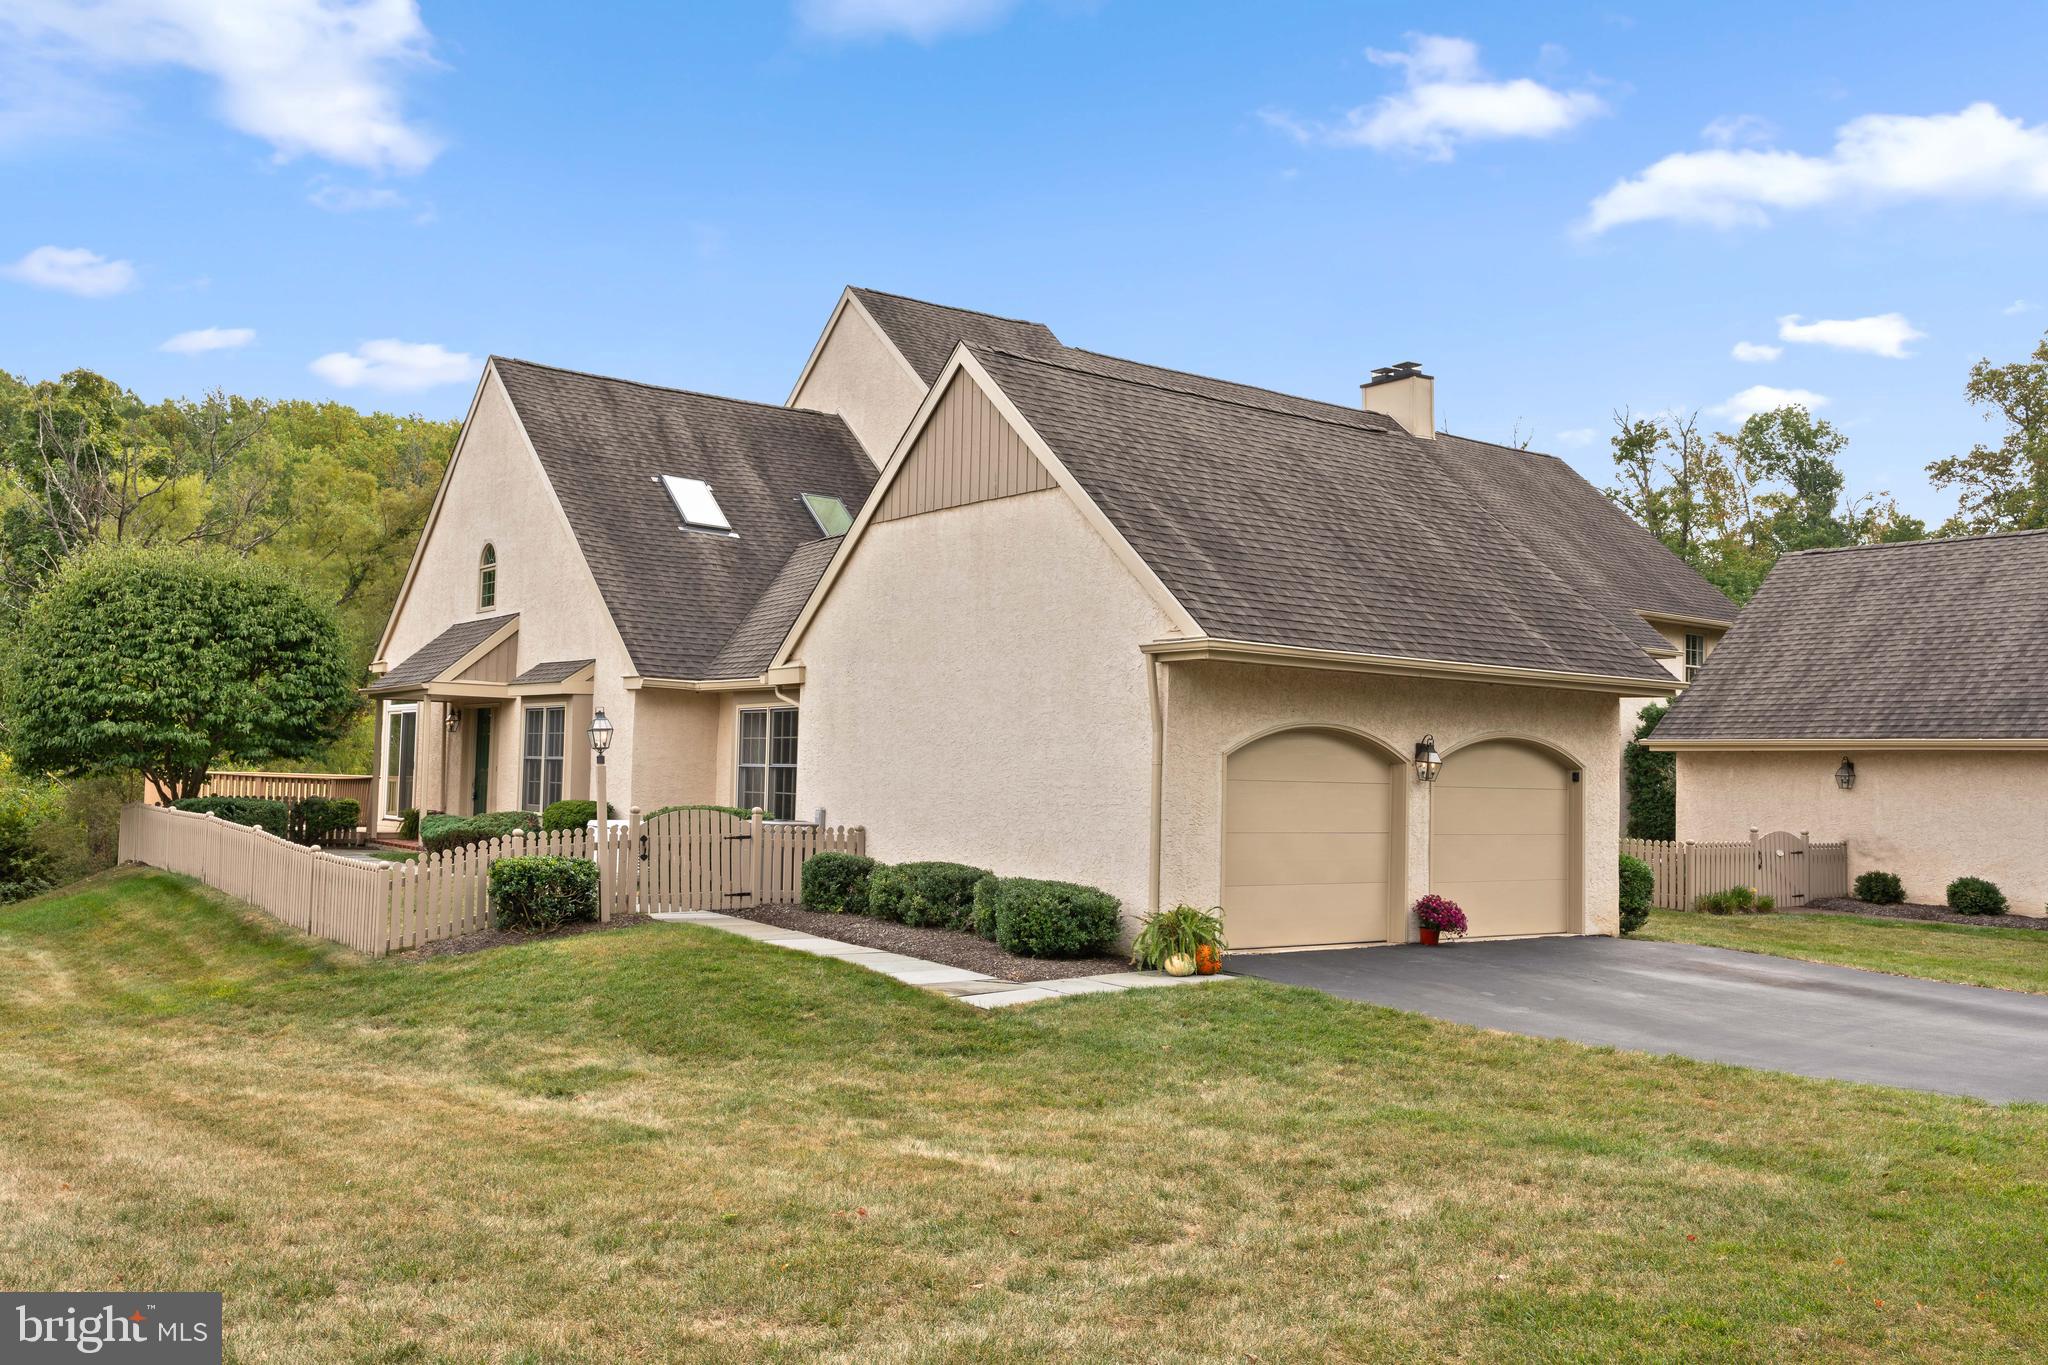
pixel 829 512
pixel 693 499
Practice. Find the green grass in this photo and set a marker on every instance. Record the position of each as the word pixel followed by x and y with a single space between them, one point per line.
pixel 2013 959
pixel 666 1143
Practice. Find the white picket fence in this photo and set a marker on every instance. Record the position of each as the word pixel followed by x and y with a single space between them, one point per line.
pixel 1789 868
pixel 681 860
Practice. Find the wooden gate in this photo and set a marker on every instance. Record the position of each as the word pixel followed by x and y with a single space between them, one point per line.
pixel 1782 867
pixel 715 860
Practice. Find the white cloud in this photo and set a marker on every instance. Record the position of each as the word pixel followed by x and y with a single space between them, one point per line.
pixel 1574 437
pixel 1977 153
pixel 920 20
pixel 209 339
pixel 2017 307
pixel 1732 130
pixel 1885 334
pixel 1448 101
pixel 74 270
pixel 403 366
pixel 310 77
pixel 1756 352
pixel 353 198
pixel 1764 397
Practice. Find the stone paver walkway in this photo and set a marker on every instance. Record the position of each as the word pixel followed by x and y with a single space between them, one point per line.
pixel 975 988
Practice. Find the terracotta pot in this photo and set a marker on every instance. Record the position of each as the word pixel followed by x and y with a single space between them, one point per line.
pixel 1429 936
pixel 1208 959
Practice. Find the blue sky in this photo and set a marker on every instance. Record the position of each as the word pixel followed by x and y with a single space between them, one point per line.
pixel 1560 211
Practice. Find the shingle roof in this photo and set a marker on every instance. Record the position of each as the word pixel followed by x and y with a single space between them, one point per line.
pixel 677 596
pixel 441 653
pixel 752 647
pixel 1286 521
pixel 1935 639
pixel 553 671
pixel 926 333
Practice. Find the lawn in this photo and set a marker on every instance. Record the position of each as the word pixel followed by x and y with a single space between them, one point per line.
pixel 2012 959
pixel 662 1142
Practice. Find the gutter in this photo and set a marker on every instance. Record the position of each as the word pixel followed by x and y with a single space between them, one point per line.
pixel 1292 656
pixel 1744 746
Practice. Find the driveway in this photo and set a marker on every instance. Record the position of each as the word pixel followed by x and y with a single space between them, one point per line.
pixel 1711 1003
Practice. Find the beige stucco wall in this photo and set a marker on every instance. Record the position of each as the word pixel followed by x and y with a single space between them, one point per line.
pixel 497 493
pixel 675 758
pixel 1632 707
pixel 1929 816
pixel 1213 708
pixel 859 375
pixel 974 690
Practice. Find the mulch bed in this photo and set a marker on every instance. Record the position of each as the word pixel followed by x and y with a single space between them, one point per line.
pixel 499 938
pixel 950 946
pixel 1940 914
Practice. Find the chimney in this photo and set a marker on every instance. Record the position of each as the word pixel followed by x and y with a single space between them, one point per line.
pixel 1404 393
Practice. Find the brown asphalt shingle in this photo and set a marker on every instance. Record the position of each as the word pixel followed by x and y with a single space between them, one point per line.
pixel 926 333
pixel 441 653
pixel 1935 639
pixel 677 596
pixel 552 671
pixel 752 647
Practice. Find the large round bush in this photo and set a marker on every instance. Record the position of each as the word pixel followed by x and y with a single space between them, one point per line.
pixel 1975 896
pixel 1638 884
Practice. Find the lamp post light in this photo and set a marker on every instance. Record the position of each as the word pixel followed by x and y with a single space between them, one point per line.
pixel 601 837
pixel 1428 762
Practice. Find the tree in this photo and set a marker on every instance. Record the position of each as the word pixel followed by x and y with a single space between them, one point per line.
pixel 165 661
pixel 2003 487
pixel 1652 781
pixel 1664 470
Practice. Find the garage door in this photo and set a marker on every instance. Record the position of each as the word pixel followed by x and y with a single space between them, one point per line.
pixel 1500 839
pixel 1306 815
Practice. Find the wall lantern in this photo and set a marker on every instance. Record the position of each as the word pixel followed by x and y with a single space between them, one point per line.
pixel 600 735
pixel 453 721
pixel 1427 760
pixel 1845 776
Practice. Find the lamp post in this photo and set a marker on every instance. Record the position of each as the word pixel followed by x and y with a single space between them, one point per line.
pixel 601 740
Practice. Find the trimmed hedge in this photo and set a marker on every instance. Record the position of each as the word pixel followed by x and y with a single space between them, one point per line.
pixel 726 810
pixel 439 833
pixel 574 814
pixel 1975 896
pixel 837 883
pixel 925 895
pixel 1880 888
pixel 269 816
pixel 1638 884
pixel 534 895
pixel 314 818
pixel 1046 919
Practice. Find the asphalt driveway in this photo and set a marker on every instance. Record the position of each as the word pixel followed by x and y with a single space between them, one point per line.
pixel 1710 1003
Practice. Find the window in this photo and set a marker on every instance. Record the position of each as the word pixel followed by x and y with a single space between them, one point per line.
pixel 401 725
pixel 700 510
pixel 767 766
pixel 829 512
pixel 1695 655
pixel 546 735
pixel 487 579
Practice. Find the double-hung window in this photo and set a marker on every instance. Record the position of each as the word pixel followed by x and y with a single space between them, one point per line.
pixel 401 725
pixel 545 756
pixel 767 761
pixel 1695 655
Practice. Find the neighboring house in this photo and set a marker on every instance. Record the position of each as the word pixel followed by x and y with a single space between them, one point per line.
pixel 1095 620
pixel 1889 695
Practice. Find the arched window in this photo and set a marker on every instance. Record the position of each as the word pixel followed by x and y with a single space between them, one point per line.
pixel 487 579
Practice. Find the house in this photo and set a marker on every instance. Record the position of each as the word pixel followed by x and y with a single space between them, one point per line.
pixel 1091 619
pixel 1890 696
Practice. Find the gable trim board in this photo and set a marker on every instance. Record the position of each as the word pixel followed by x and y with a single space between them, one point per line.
pixel 848 300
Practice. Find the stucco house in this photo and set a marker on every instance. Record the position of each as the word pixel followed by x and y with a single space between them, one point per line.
pixel 1090 619
pixel 1890 696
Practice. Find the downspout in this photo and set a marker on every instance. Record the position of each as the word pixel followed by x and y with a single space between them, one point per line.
pixel 1158 778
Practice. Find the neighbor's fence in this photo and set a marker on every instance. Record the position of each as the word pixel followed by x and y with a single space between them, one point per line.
pixel 684 860
pixel 1790 868
pixel 290 788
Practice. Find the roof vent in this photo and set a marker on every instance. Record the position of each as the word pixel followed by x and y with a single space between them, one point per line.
pixel 1404 393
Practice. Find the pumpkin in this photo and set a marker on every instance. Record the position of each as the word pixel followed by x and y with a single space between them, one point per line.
pixel 1208 959
pixel 1179 964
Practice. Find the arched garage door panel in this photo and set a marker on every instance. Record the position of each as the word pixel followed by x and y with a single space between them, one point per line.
pixel 1501 838
pixel 1306 823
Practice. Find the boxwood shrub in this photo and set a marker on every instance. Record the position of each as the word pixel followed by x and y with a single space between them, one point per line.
pixel 1638 884
pixel 1880 888
pixel 837 883
pixel 1975 896
pixel 314 818
pixel 574 814
pixel 533 895
pixel 925 895
pixel 1046 919
pixel 439 833
pixel 723 810
pixel 268 816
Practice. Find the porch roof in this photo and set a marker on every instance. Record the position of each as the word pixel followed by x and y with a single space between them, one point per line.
pixel 445 655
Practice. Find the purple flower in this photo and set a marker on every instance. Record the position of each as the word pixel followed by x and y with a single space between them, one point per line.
pixel 1444 916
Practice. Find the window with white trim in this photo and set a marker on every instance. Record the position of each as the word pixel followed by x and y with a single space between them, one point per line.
pixel 401 744
pixel 487 578
pixel 767 761
pixel 545 757
pixel 1695 655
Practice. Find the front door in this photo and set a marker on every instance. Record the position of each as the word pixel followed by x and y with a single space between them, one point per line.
pixel 480 779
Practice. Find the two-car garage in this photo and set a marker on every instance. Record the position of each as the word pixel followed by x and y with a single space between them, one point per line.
pixel 1315 825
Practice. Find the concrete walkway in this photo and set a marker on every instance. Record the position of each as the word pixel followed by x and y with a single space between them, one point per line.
pixel 975 988
pixel 1840 1023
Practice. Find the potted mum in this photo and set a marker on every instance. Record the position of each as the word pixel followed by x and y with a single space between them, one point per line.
pixel 1181 941
pixel 1438 917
